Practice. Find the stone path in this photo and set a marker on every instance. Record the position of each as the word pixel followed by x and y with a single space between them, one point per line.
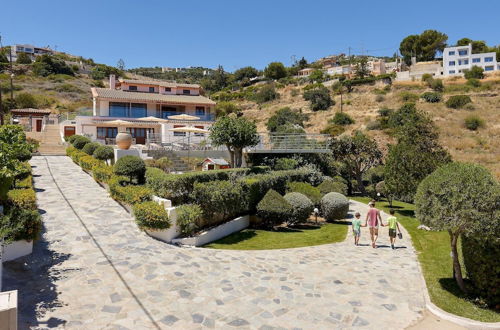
pixel 98 271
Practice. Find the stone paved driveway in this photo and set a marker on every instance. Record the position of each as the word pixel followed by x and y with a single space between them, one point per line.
pixel 93 269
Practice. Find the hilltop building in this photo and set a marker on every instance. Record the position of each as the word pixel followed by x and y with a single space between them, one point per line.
pixel 460 58
pixel 32 51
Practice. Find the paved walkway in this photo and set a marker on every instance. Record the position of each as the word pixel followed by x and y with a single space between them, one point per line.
pixel 93 269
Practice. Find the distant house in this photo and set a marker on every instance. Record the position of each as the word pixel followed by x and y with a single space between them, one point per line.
pixel 418 69
pixel 32 120
pixel 31 50
pixel 340 70
pixel 376 67
pixel 460 58
pixel 214 164
pixel 305 72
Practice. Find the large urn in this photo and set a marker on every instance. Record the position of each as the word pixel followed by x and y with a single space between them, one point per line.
pixel 124 140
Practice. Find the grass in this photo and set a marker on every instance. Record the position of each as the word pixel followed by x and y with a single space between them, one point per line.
pixel 434 255
pixel 254 239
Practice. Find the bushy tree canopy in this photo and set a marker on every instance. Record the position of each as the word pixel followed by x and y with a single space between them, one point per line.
pixel 47 64
pixel 283 117
pixel 423 46
pixel 23 58
pixel 319 97
pixel 275 70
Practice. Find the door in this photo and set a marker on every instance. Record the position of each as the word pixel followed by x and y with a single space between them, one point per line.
pixel 69 130
pixel 38 125
pixel 139 134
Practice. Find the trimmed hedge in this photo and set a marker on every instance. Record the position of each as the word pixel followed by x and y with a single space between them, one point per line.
pixel 104 153
pixel 482 263
pixel 24 170
pixel 89 148
pixel 334 206
pixel 151 216
pixel 302 207
pixel 80 141
pixel 313 193
pixel 189 217
pixel 274 209
pixel 220 200
pixel 329 186
pixel 25 183
pixel 102 173
pixel 88 162
pixel 128 193
pixel 25 224
pixel 178 187
pixel 131 166
pixel 22 198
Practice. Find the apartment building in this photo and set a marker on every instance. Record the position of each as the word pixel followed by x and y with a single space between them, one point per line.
pixel 31 50
pixel 142 108
pixel 459 58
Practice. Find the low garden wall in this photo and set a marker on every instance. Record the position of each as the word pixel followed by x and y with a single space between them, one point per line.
pixel 17 249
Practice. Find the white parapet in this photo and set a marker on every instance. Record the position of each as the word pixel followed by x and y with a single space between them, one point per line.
pixel 167 235
pixel 17 249
pixel 8 310
pixel 119 153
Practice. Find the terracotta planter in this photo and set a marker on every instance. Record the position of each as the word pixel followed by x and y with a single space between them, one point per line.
pixel 124 140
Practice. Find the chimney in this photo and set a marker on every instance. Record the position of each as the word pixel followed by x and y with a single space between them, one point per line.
pixel 112 81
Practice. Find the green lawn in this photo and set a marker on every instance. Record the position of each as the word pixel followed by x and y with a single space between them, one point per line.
pixel 253 239
pixel 434 256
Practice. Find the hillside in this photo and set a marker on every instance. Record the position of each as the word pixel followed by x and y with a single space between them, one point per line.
pixel 481 146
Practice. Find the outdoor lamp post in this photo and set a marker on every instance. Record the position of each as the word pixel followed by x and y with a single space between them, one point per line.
pixel 11 86
pixel 316 213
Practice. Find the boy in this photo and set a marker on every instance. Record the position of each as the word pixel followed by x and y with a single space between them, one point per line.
pixel 356 227
pixel 392 222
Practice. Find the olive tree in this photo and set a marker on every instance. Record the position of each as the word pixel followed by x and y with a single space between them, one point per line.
pixel 461 199
pixel 235 133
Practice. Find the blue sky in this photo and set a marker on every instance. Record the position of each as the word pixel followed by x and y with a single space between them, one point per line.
pixel 237 33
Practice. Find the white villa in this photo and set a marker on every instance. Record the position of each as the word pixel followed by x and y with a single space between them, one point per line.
pixel 142 108
pixel 456 59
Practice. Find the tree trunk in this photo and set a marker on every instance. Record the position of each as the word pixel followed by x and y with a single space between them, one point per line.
pixel 231 154
pixel 238 156
pixel 361 187
pixel 457 270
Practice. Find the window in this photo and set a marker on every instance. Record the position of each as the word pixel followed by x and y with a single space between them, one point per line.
pixel 451 63
pixel 138 110
pixel 168 89
pixel 186 91
pixel 466 62
pixel 488 59
pixel 463 62
pixel 462 52
pixel 200 111
pixel 489 68
pixel 107 132
pixel 452 71
pixel 151 89
pixel 451 53
pixel 179 133
pixel 132 88
pixel 199 134
pixel 118 109
pixel 476 60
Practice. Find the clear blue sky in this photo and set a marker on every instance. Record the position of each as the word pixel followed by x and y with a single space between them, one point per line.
pixel 237 33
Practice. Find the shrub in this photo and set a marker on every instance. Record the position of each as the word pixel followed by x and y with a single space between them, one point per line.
pixel 71 138
pixel 313 193
pixel 178 187
pixel 427 78
pixel 475 72
pixel 342 118
pixel 220 200
pixel 458 101
pixel 22 198
pixel 102 173
pixel 334 206
pixel 151 216
pixel 333 130
pixel 76 155
pixel 379 98
pixel 329 186
pixel 408 97
pixel 80 141
pixel 431 97
pixel 473 122
pixel 128 193
pixel 131 166
pixel 189 218
pixel 286 164
pixel 320 98
pixel 265 94
pixel 25 100
pixel 481 259
pixel 302 207
pixel 23 170
pixel 22 223
pixel 474 82
pixel 285 116
pixel 89 148
pixel 437 85
pixel 373 125
pixel 104 153
pixel 27 182
pixel 88 162
pixel 274 209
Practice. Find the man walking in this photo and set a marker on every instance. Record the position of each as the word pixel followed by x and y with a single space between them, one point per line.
pixel 373 220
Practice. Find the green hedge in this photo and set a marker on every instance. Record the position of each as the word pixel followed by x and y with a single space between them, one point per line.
pixel 80 141
pixel 329 186
pixel 89 148
pixel 313 193
pixel 178 187
pixel 21 223
pixel 189 218
pixel 220 200
pixel 102 173
pixel 25 183
pixel 128 193
pixel 131 166
pixel 24 170
pixel 274 209
pixel 88 162
pixel 151 215
pixel 22 198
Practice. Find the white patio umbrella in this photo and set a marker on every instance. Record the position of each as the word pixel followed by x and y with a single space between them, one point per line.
pixel 118 123
pixel 151 118
pixel 189 130
pixel 183 117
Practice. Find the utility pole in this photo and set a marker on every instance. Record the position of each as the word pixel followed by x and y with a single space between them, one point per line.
pixel 11 76
pixel 1 103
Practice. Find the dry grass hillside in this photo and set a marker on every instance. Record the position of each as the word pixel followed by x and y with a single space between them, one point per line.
pixel 481 146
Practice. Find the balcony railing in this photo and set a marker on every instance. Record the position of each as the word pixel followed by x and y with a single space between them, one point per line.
pixel 203 117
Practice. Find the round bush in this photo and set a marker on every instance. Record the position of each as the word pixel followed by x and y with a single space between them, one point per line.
pixel 306 189
pixel 458 101
pixel 151 215
pixel 274 209
pixel 431 97
pixel 473 122
pixel 131 166
pixel 334 206
pixel 301 207
pixel 329 186
pixel 89 148
pixel 342 118
pixel 80 141
pixel 104 152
